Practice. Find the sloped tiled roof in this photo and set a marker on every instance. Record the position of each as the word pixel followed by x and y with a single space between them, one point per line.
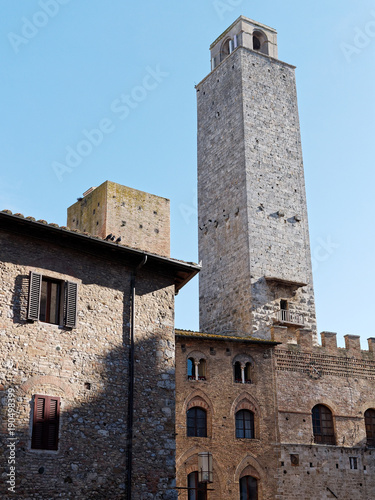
pixel 28 226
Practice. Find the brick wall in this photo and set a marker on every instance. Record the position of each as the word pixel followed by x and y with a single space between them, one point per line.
pixel 222 397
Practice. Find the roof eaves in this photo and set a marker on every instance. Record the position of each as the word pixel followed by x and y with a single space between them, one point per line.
pixel 53 229
pixel 230 338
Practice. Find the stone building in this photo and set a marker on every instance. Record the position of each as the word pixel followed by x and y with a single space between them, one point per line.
pixel 102 398
pixel 262 410
pixel 87 350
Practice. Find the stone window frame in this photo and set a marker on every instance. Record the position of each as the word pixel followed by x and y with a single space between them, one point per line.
pixel 244 360
pixel 198 365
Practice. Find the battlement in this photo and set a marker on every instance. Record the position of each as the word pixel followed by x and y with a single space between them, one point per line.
pixel 303 340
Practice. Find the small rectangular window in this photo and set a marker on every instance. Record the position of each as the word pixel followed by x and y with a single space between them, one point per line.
pixel 353 461
pixel 46 415
pixel 52 301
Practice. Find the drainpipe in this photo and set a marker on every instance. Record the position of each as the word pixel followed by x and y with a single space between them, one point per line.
pixel 131 383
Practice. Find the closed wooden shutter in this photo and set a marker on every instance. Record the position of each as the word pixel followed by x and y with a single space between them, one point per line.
pixel 34 296
pixel 39 412
pixel 70 304
pixel 45 423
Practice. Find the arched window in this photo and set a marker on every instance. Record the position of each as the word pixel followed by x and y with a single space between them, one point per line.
pixel 248 373
pixel 370 427
pixel 248 488
pixel 196 422
pixel 196 366
pixel 237 372
pixel 226 49
pixel 323 425
pixel 256 43
pixel 245 424
pixel 260 42
pixel 242 370
pixel 190 369
pixel 196 490
pixel 202 369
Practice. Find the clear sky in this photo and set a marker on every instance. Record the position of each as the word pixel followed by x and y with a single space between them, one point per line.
pixel 67 67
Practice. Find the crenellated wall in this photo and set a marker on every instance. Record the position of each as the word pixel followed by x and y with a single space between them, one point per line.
pixel 341 379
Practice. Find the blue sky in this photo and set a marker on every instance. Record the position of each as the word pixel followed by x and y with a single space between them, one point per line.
pixel 67 63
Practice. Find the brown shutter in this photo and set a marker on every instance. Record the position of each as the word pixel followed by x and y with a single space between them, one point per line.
pixel 45 423
pixel 34 296
pixel 70 304
pixel 52 428
pixel 38 419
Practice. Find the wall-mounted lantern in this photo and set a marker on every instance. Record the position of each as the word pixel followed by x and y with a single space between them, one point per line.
pixel 205 474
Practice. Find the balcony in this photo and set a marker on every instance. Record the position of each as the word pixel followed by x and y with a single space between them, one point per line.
pixel 286 317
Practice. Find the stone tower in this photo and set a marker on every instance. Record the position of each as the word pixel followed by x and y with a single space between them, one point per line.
pixel 140 219
pixel 252 214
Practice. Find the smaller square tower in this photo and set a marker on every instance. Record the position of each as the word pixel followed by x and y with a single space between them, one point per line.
pixel 137 219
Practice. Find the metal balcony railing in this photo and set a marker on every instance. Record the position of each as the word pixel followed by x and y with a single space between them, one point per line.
pixel 286 316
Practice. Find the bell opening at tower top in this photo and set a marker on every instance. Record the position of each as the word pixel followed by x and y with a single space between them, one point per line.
pixel 244 33
pixel 260 42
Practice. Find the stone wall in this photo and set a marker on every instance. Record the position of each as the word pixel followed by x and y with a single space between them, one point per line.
pixel 87 367
pixel 224 292
pixel 342 380
pixel 251 196
pixel 142 220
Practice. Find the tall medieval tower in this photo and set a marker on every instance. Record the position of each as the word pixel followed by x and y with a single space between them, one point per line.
pixel 252 214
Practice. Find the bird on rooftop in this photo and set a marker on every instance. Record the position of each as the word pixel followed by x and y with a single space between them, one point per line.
pixel 118 239
pixel 109 236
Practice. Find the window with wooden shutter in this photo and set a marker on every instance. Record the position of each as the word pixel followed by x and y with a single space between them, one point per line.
pixel 33 307
pixel 70 304
pixel 46 415
pixel 52 301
